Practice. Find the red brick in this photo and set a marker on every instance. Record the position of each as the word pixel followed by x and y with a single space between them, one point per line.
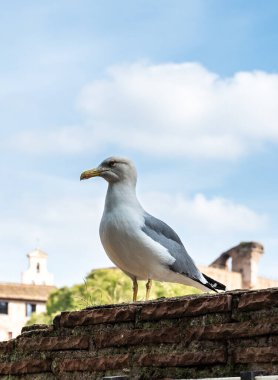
pixel 181 359
pixel 240 329
pixel 98 315
pixel 251 341
pixel 186 306
pixel 258 341
pixel 258 300
pixel 100 363
pixel 256 355
pixel 6 346
pixel 25 366
pixel 53 343
pixel 36 327
pixel 138 336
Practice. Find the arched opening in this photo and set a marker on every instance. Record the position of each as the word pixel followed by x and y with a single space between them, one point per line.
pixel 229 263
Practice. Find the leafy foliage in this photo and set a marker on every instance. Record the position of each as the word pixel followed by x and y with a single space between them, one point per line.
pixel 100 287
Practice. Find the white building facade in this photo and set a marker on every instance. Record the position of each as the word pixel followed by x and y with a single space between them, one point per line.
pixel 37 273
pixel 19 300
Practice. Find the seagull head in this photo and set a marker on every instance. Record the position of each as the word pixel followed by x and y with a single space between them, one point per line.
pixel 113 170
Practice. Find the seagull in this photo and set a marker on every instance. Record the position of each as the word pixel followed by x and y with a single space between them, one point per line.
pixel 142 246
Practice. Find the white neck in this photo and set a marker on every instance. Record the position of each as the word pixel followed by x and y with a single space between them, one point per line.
pixel 121 194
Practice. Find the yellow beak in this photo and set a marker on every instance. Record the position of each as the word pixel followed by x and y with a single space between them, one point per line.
pixel 90 173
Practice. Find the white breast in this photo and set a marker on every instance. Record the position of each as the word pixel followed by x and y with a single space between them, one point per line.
pixel 129 247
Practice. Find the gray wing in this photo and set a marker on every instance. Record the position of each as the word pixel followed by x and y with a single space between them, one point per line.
pixel 167 237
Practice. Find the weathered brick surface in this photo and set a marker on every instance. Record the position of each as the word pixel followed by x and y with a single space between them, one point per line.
pixel 25 366
pixel 254 315
pixel 137 337
pixel 186 307
pixel 261 341
pixel 241 329
pixel 7 346
pixel 98 315
pixel 36 327
pixel 110 338
pixel 33 376
pixel 256 355
pixel 186 359
pixel 53 343
pixel 100 363
pixel 186 337
pixel 259 300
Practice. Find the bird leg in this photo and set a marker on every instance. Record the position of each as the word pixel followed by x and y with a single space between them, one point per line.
pixel 135 289
pixel 148 288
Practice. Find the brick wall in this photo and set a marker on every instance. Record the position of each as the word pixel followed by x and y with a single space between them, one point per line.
pixel 186 337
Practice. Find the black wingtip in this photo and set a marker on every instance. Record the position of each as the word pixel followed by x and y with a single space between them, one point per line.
pixel 213 284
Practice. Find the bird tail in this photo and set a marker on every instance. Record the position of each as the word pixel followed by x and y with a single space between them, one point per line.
pixel 213 284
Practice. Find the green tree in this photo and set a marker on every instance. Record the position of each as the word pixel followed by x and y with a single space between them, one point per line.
pixel 100 287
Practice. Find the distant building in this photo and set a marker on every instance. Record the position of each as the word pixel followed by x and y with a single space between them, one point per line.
pixel 19 300
pixel 237 268
pixel 37 273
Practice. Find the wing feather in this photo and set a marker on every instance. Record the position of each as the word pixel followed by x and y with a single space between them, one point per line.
pixel 167 237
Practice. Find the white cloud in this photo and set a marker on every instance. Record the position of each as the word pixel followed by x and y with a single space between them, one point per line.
pixel 169 109
pixel 183 109
pixel 216 215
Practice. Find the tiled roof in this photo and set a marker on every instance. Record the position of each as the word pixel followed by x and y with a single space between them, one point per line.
pixel 14 291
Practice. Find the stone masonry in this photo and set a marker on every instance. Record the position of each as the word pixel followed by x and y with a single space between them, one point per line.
pixel 186 337
pixel 243 274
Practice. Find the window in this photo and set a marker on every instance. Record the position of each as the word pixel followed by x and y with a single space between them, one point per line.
pixel 38 268
pixel 3 307
pixel 30 309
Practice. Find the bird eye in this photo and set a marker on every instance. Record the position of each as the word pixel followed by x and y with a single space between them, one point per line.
pixel 111 164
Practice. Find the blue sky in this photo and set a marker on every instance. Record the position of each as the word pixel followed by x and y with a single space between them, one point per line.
pixel 187 89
